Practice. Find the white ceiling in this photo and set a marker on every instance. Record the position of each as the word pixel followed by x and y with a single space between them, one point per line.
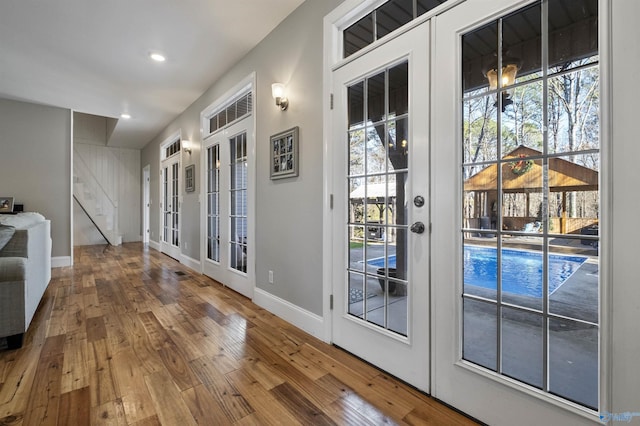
pixel 92 55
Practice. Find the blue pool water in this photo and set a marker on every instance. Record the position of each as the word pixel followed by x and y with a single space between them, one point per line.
pixel 379 261
pixel 521 270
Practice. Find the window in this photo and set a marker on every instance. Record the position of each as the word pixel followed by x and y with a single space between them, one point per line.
pixel 233 111
pixel 382 21
pixel 530 165
pixel 172 149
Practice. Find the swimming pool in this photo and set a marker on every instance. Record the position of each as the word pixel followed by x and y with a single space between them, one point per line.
pixel 379 261
pixel 521 270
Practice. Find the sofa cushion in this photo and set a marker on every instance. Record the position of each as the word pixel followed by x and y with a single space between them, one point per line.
pixel 13 269
pixel 6 233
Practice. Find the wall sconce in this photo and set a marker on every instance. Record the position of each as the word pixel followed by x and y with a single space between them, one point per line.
pixel 186 146
pixel 510 68
pixel 277 91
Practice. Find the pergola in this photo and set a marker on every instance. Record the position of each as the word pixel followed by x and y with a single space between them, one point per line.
pixel 564 176
pixel 380 195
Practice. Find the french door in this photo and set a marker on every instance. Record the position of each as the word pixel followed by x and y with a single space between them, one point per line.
pixel 229 206
pixel 515 279
pixel 170 207
pixel 381 222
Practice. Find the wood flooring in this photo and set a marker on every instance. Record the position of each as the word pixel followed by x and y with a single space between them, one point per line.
pixel 128 336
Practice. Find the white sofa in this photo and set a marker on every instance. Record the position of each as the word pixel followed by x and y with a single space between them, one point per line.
pixel 25 272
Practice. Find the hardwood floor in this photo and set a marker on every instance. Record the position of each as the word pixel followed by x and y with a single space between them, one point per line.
pixel 131 337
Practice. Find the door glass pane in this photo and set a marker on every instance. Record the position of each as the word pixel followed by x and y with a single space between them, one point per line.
pixel 166 201
pixel 573 361
pixel 213 208
pixel 522 358
pixel 480 331
pixel 238 196
pixel 378 216
pixel 531 199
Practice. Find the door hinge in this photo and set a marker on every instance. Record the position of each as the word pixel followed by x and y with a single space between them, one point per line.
pixel 331 101
pixel 331 302
pixel 331 201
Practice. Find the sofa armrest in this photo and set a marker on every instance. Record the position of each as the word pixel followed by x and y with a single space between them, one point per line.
pixel 17 246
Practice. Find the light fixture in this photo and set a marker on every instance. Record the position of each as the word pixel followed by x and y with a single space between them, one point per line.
pixel 186 146
pixel 510 68
pixel 277 91
pixel 158 57
pixel 125 116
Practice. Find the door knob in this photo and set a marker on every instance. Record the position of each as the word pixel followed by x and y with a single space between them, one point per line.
pixel 417 227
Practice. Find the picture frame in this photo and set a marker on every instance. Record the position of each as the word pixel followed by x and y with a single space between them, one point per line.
pixel 284 154
pixel 190 178
pixel 6 204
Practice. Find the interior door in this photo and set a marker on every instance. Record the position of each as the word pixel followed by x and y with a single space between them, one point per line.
pixel 229 208
pixel 516 338
pixel 381 223
pixel 170 206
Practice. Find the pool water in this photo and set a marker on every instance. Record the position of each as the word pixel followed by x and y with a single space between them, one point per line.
pixel 379 261
pixel 521 270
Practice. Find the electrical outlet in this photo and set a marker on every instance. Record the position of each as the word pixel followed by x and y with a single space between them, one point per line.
pixel 186 245
pixel 270 277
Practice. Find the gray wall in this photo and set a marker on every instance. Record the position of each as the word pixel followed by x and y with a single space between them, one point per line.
pixel 35 164
pixel 289 211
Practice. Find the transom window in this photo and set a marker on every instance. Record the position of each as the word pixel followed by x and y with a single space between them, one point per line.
pixel 231 112
pixel 172 149
pixel 382 21
pixel 531 200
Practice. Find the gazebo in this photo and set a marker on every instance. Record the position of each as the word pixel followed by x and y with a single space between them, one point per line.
pixel 524 175
pixel 380 195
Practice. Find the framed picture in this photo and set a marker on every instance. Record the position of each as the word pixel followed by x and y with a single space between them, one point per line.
pixel 284 154
pixel 6 204
pixel 190 178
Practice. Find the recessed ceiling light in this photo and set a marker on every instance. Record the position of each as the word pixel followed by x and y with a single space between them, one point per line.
pixel 158 57
pixel 125 116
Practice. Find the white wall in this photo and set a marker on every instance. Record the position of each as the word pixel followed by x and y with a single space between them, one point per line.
pixel 116 169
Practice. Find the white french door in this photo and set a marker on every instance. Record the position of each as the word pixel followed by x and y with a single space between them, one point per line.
pixel 170 207
pixel 381 223
pixel 515 337
pixel 229 206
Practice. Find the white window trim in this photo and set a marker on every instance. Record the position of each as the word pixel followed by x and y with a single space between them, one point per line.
pixel 163 146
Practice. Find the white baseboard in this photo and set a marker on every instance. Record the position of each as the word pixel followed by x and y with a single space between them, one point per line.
pixel 191 263
pixel 154 245
pixel 301 318
pixel 60 261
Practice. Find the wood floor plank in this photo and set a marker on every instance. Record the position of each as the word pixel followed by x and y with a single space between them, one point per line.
pixel 101 374
pixel 269 410
pixel 205 409
pixel 121 339
pixel 169 405
pixel 75 408
pixel 233 403
pixel 132 387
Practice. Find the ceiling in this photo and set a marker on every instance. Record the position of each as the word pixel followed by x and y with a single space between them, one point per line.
pixel 92 56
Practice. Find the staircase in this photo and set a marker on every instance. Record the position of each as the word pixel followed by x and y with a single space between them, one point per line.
pixel 95 201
